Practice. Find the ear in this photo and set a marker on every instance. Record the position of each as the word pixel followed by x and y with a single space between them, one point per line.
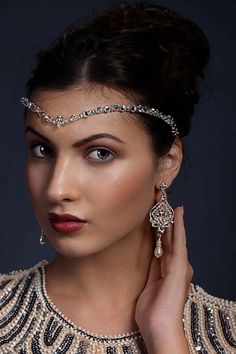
pixel 169 165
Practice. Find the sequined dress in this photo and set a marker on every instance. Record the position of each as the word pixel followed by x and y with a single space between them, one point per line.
pixel 31 323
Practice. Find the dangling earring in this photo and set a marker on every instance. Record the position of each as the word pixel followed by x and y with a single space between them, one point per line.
pixel 42 240
pixel 161 217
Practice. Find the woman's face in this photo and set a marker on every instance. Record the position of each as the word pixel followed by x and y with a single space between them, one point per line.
pixel 109 182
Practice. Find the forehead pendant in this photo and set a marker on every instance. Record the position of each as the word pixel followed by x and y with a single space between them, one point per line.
pixel 61 121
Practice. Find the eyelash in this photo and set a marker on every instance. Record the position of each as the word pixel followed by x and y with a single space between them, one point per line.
pixel 34 145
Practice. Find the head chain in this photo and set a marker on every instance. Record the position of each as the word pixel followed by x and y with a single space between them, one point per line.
pixel 60 120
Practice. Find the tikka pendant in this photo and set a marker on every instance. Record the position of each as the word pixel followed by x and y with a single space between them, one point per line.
pixel 161 217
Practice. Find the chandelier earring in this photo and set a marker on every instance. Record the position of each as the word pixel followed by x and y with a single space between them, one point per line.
pixel 42 240
pixel 161 217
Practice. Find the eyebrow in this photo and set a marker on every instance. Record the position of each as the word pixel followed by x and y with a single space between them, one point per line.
pixel 80 142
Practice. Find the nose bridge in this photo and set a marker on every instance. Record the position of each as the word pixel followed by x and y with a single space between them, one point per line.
pixel 60 185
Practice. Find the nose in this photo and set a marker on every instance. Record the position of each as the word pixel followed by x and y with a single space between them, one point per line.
pixel 62 185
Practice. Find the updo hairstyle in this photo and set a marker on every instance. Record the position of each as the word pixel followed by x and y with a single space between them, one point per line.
pixel 150 53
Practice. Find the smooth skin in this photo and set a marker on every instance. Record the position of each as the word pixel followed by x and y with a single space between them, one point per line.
pixel 105 277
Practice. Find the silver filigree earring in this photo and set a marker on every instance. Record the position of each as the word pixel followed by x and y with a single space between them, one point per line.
pixel 161 217
pixel 42 240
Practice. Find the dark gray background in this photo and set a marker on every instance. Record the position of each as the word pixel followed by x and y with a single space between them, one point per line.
pixel 206 184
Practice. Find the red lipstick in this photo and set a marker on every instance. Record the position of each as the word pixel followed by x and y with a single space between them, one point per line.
pixel 65 223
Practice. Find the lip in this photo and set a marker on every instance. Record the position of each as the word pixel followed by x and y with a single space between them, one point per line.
pixel 64 217
pixel 65 223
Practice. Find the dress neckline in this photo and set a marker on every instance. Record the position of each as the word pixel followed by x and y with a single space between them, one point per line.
pixel 70 324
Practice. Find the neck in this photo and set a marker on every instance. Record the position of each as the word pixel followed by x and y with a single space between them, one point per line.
pixel 114 276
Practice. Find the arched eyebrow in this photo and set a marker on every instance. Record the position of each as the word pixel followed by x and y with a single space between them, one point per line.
pixel 80 142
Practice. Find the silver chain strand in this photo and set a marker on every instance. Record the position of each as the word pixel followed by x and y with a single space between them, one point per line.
pixel 61 121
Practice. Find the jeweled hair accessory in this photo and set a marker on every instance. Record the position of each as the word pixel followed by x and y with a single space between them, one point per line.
pixel 60 120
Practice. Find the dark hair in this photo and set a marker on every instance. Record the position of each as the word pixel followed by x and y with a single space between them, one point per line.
pixel 146 51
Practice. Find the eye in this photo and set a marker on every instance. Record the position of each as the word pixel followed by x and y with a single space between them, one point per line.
pixel 101 154
pixel 40 150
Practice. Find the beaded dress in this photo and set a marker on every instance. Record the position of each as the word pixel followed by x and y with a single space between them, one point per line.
pixel 31 323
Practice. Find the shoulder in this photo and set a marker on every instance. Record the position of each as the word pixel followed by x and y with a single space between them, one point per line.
pixel 18 308
pixel 11 282
pixel 209 322
pixel 7 281
pixel 16 274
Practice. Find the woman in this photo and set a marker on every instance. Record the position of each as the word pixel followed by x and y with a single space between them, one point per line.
pixel 106 108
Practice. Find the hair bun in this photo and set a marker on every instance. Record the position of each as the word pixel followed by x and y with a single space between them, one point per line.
pixel 147 52
pixel 138 16
pixel 179 38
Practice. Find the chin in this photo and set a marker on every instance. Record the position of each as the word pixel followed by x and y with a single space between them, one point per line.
pixel 75 249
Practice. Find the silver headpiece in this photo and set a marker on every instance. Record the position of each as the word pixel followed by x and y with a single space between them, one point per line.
pixel 60 120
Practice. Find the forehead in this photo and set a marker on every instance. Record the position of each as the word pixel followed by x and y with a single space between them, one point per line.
pixel 77 100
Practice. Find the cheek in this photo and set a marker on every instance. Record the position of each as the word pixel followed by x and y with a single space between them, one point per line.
pixel 126 192
pixel 35 180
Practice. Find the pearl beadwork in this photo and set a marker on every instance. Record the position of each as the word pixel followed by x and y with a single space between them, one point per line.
pixel 31 323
